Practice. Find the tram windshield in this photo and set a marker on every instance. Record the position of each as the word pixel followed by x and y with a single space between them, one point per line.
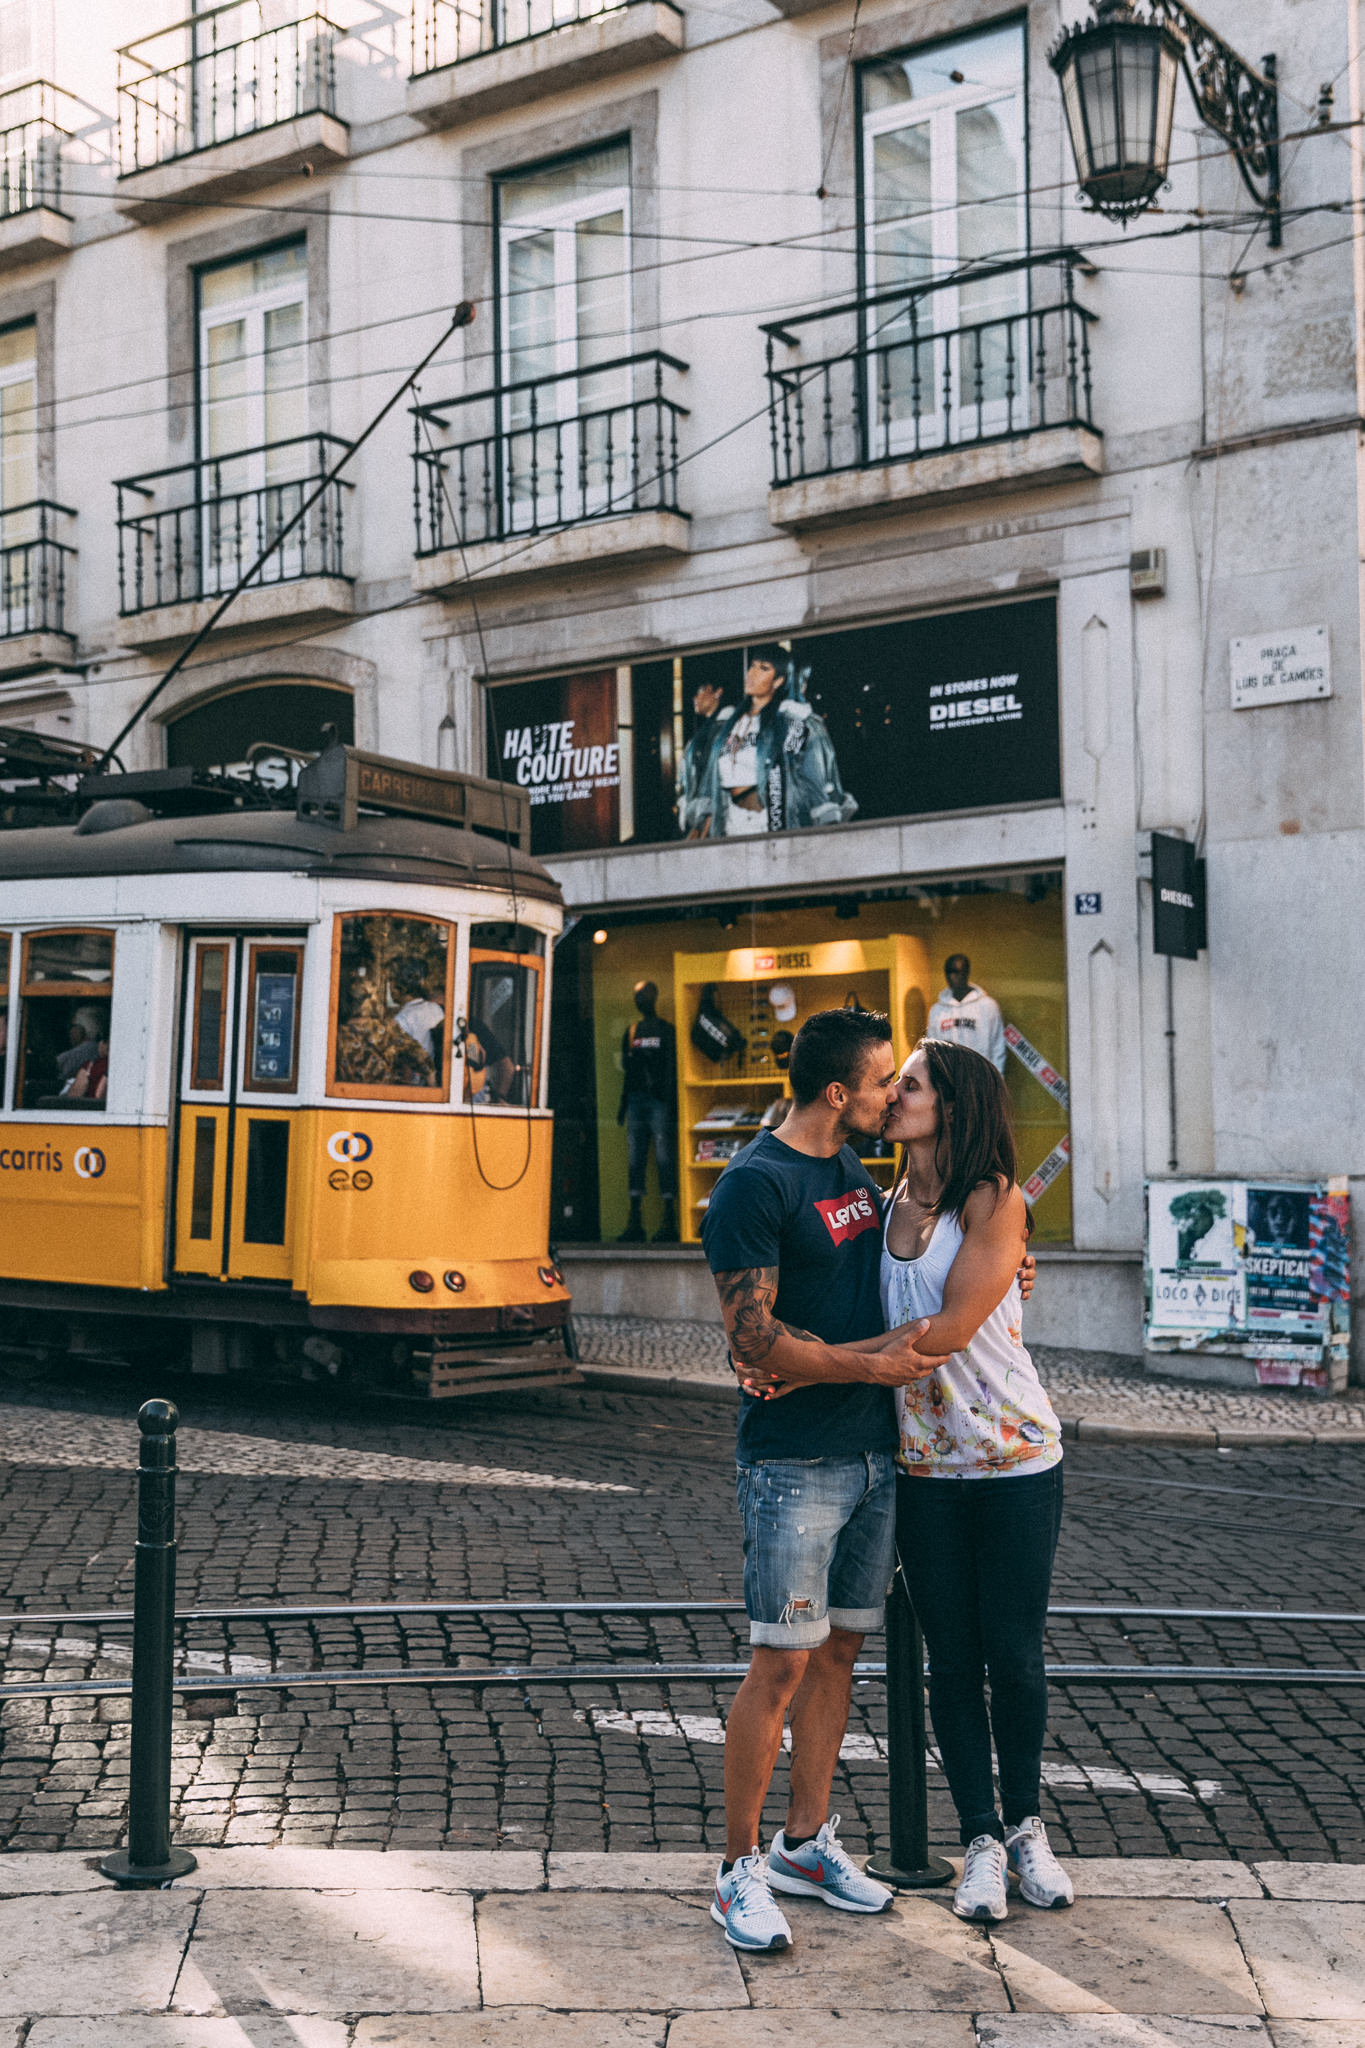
pixel 501 1045
pixel 4 1013
pixel 391 998
pixel 65 989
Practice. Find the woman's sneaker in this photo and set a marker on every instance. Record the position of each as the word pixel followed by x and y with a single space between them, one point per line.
pixel 823 1869
pixel 983 1893
pixel 746 1909
pixel 1034 1868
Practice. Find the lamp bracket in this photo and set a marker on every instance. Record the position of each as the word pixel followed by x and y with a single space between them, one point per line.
pixel 1234 99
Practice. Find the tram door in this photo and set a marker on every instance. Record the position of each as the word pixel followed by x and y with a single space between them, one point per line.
pixel 239 1080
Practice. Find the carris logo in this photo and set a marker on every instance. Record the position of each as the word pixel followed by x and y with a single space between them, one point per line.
pixel 847 1216
pixel 89 1162
pixel 352 1145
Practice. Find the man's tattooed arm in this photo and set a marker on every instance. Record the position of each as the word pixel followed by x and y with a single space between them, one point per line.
pixel 765 1350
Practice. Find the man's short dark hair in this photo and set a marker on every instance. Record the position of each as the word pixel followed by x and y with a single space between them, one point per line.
pixel 831 1046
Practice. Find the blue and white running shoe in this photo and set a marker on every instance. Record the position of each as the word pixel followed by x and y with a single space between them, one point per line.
pixel 746 1909
pixel 823 1869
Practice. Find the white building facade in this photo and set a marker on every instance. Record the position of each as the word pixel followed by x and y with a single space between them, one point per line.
pixel 794 348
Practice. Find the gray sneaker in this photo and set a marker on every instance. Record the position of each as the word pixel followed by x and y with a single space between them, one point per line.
pixel 983 1893
pixel 823 1869
pixel 746 1909
pixel 1034 1868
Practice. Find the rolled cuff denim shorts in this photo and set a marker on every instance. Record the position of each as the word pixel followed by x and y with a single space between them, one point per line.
pixel 819 1545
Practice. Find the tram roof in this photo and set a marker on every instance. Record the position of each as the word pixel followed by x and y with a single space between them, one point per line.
pixel 379 848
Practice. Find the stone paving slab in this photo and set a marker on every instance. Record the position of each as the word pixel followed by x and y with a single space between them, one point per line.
pixel 1128 1956
pixel 823 2027
pixel 1119 2030
pixel 594 1871
pixel 1341 1881
pixel 25 1872
pixel 331 1952
pixel 1308 1956
pixel 916 1958
pixel 109 1953
pixel 263 2030
pixel 1317 2033
pixel 561 1949
pixel 519 2026
pixel 301 1869
pixel 1161 1877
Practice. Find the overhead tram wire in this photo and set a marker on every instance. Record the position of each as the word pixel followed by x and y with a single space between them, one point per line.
pixel 461 317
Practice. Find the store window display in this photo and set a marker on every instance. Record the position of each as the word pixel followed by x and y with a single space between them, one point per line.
pixel 649 1111
pixel 739 979
pixel 964 1014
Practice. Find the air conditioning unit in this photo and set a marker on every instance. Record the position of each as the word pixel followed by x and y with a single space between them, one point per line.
pixel 1147 572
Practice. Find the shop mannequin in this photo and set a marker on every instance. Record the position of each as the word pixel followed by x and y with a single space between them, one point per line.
pixel 648 1109
pixel 964 1014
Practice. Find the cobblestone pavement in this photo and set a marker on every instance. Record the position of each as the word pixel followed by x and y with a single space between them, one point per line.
pixel 295 1497
pixel 1078 1382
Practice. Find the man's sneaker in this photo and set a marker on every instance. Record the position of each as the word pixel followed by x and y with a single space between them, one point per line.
pixel 746 1909
pixel 823 1869
pixel 1034 1868
pixel 983 1893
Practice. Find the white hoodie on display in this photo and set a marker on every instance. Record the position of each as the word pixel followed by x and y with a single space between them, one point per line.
pixel 975 1021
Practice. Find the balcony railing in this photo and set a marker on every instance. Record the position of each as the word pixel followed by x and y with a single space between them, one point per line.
pixel 31 140
pixel 548 452
pixel 447 31
pixel 192 531
pixel 218 75
pixel 34 565
pixel 907 375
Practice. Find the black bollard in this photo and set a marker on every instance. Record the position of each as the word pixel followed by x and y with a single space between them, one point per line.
pixel 907 1865
pixel 149 1858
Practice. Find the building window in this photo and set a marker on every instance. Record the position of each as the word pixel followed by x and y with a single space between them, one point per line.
pixel 564 281
pixel 944 182
pixel 68 979
pixel 259 732
pixel 253 403
pixel 18 434
pixel 18 56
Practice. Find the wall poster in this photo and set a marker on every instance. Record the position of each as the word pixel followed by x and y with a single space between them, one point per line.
pixel 948 713
pixel 1257 1268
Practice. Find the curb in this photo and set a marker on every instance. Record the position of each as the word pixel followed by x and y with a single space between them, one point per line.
pixel 1231 1436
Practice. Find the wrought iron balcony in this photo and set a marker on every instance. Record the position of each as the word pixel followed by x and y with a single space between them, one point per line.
pixel 906 376
pixel 34 566
pixel 191 532
pixel 449 31
pixel 548 452
pixel 218 75
pixel 31 141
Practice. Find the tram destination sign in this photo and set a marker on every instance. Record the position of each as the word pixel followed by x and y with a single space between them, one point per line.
pixel 335 788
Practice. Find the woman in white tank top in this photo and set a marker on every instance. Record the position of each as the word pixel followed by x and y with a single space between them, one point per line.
pixel 979 1495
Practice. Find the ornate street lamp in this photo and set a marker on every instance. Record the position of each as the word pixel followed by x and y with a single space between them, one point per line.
pixel 1118 75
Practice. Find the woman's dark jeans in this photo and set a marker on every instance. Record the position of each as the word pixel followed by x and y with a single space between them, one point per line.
pixel 977 1556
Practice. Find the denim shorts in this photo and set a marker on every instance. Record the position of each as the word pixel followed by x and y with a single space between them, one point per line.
pixel 819 1545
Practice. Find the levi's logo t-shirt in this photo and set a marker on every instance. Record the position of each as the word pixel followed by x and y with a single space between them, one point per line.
pixel 818 1221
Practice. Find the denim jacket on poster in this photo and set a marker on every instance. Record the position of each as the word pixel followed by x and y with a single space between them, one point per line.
pixel 798 774
pixel 694 801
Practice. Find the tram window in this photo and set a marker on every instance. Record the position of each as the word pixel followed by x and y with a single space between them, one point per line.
pixel 210 1016
pixel 501 1066
pixel 4 1012
pixel 272 1047
pixel 391 996
pixel 65 985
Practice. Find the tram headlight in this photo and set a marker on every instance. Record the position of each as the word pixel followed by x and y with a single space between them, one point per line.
pixel 454 1281
pixel 421 1283
pixel 549 1276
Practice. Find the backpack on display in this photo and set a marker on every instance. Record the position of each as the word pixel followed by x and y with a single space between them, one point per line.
pixel 713 1034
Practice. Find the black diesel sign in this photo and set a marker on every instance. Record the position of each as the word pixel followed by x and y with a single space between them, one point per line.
pixel 1177 898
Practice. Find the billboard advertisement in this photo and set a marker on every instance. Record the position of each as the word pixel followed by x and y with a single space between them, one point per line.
pixel 813 731
pixel 1257 1268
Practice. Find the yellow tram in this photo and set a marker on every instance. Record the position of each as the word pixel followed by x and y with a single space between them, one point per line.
pixel 274 1079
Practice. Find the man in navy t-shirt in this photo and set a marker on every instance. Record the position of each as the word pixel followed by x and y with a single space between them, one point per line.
pixel 793 1237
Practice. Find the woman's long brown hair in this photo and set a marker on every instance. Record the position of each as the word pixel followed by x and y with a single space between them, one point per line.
pixel 975 1130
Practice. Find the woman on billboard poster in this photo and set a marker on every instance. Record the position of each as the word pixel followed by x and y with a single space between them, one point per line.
pixel 774 769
